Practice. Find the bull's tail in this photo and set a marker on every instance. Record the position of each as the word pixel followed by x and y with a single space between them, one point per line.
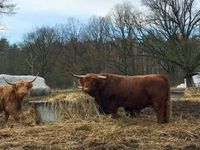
pixel 168 104
pixel 168 110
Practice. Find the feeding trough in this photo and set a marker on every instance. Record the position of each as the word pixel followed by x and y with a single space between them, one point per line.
pixel 177 94
pixel 45 112
pixel 63 106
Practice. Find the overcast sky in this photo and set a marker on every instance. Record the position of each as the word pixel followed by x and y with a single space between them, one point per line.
pixel 37 13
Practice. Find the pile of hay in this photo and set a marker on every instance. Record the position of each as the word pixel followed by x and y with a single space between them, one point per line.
pixel 73 104
pixel 192 92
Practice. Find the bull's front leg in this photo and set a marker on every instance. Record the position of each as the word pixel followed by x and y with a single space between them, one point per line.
pixel 100 106
pixel 14 114
pixel 6 117
pixel 114 114
pixel 112 109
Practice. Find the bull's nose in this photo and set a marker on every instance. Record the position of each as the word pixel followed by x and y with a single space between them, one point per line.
pixel 85 89
pixel 80 87
pixel 24 93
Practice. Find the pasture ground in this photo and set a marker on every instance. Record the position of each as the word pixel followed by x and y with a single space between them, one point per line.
pixel 103 132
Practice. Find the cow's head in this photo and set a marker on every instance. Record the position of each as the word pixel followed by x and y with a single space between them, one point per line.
pixel 91 83
pixel 22 87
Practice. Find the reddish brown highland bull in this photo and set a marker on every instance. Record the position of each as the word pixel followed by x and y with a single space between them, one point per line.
pixel 11 97
pixel 134 93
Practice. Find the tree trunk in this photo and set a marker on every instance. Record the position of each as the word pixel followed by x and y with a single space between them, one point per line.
pixel 189 81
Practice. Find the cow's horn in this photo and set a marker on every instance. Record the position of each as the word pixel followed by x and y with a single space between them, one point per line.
pixel 102 77
pixel 78 76
pixel 34 78
pixel 80 87
pixel 8 82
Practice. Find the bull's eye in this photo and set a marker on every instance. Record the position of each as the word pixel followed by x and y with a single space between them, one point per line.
pixel 30 86
pixel 21 84
pixel 88 79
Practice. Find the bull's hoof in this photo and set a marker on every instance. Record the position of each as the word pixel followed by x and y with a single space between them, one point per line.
pixel 114 116
pixel 133 114
pixel 162 122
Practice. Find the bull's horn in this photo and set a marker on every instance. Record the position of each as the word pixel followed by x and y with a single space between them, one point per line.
pixel 34 78
pixel 8 82
pixel 78 76
pixel 80 87
pixel 102 77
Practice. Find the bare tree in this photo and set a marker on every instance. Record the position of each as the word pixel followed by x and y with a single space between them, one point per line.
pixel 30 55
pixel 123 38
pixel 6 7
pixel 42 49
pixel 70 37
pixel 95 39
pixel 170 30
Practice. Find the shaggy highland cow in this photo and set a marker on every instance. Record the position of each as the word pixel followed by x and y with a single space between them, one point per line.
pixel 12 95
pixel 133 93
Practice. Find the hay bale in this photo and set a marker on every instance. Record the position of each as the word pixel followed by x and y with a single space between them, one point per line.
pixel 192 92
pixel 64 106
pixel 75 104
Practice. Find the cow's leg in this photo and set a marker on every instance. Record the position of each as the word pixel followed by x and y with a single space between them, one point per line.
pixel 160 112
pixel 113 111
pixel 132 112
pixel 15 116
pixel 6 117
pixel 136 113
pixel 160 115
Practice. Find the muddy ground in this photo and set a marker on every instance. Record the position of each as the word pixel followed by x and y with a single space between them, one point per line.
pixel 103 132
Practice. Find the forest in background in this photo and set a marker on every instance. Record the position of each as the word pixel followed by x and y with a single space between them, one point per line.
pixel 125 41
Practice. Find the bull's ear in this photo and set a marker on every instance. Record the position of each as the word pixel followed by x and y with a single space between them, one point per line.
pixel 14 87
pixel 81 81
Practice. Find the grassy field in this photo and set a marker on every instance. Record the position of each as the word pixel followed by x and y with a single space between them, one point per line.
pixel 103 132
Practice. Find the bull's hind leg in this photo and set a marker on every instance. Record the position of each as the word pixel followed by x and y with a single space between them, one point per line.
pixel 160 111
pixel 160 116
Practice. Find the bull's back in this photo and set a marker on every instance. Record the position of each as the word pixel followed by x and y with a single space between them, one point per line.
pixel 156 85
pixel 138 89
pixel 138 83
pixel 149 85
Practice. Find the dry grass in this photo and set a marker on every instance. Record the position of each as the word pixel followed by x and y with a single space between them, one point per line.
pixel 190 94
pixel 103 132
pixel 73 104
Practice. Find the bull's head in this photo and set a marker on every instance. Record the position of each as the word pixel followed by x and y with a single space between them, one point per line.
pixel 91 83
pixel 22 87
